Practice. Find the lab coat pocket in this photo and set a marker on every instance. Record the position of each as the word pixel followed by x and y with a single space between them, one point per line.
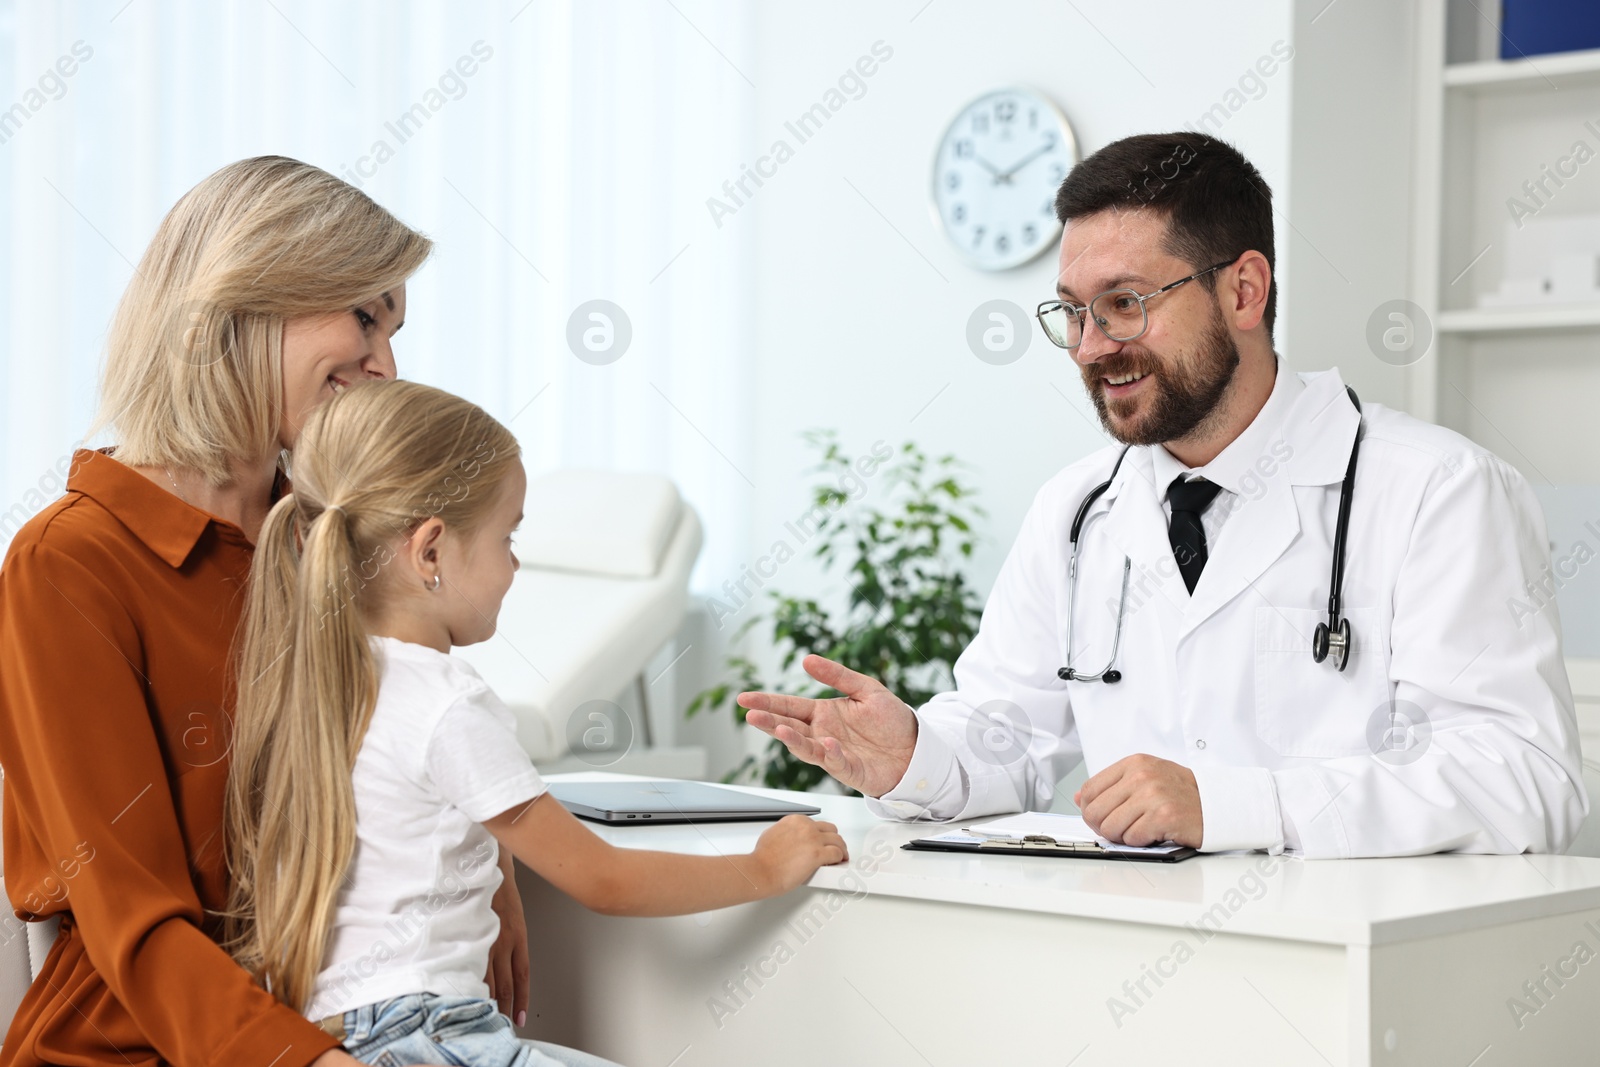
pixel 1306 708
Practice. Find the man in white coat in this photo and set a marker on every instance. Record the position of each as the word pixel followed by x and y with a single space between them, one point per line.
pixel 1209 722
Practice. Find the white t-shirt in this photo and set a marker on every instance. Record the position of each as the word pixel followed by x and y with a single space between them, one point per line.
pixel 439 758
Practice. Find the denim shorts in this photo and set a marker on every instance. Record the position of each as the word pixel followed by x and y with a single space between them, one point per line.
pixel 465 1031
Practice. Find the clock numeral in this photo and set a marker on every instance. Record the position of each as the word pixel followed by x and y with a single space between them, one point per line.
pixel 1005 110
pixel 963 149
pixel 977 236
pixel 1050 140
pixel 1033 118
pixel 1030 233
pixel 1058 173
pixel 980 123
pixel 1048 209
pixel 958 213
pixel 1002 244
pixel 952 181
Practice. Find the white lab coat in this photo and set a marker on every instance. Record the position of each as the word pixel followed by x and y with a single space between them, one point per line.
pixel 1443 537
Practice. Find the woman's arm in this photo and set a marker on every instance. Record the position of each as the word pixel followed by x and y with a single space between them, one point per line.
pixel 626 881
pixel 86 777
pixel 509 974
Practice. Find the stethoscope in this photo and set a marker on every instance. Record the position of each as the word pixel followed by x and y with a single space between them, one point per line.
pixel 1333 636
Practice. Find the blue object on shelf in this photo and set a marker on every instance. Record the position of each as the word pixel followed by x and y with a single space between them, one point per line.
pixel 1539 27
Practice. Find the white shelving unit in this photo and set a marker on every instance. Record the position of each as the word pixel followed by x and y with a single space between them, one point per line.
pixel 1522 381
pixel 1517 379
pixel 1564 70
pixel 1534 319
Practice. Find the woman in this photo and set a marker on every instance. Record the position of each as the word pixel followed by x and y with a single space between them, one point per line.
pixel 268 287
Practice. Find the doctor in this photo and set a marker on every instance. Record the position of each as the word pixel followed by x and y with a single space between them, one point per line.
pixel 1179 665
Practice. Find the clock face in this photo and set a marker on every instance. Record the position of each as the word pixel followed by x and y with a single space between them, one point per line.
pixel 996 175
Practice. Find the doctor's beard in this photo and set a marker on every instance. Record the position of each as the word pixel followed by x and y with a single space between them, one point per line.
pixel 1188 392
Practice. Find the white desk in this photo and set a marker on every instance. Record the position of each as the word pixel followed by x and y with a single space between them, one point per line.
pixel 918 959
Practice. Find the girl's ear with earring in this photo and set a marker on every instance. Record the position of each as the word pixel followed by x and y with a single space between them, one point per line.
pixel 431 555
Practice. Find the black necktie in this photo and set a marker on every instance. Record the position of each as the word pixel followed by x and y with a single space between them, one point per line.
pixel 1189 499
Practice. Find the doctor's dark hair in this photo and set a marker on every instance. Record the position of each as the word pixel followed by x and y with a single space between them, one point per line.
pixel 1216 203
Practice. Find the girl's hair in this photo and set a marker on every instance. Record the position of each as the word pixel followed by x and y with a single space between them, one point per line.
pixel 370 466
pixel 194 360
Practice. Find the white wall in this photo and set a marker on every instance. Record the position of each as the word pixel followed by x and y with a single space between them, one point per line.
pixel 1344 221
pixel 860 319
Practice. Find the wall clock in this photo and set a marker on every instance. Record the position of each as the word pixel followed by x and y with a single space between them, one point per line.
pixel 996 174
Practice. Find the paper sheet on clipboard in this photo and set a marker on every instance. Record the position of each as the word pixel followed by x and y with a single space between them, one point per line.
pixel 1048 824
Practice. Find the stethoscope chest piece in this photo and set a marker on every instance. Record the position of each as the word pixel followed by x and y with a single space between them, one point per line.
pixel 1109 676
pixel 1325 641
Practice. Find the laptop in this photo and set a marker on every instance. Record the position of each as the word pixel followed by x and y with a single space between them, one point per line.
pixel 669 802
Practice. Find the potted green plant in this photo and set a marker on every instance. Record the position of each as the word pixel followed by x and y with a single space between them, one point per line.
pixel 909 611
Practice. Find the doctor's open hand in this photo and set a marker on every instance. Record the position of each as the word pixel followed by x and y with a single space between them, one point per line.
pixel 863 738
pixel 1143 800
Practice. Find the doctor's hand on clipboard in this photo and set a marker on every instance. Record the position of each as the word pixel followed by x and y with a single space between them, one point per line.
pixel 1143 800
pixel 864 738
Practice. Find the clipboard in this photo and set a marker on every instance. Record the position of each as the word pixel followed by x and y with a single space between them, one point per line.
pixel 1044 834
pixel 1043 845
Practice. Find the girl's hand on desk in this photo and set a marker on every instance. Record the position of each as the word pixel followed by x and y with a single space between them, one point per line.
pixel 792 849
pixel 613 880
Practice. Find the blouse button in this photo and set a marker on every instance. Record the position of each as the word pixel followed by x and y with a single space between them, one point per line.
pixel 1200 743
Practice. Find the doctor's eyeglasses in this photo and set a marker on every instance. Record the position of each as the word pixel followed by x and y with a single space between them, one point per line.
pixel 1120 313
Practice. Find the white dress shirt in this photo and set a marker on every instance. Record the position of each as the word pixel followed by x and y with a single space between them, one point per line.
pixel 1232 469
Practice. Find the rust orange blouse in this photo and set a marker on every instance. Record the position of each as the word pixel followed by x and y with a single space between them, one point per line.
pixel 118 605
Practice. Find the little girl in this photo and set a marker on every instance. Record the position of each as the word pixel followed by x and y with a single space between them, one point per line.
pixel 374 773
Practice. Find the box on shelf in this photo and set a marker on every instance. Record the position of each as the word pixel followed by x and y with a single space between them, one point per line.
pixel 1549 260
pixel 1539 27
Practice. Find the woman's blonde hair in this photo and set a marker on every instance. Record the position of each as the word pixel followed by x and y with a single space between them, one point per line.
pixel 194 360
pixel 370 466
